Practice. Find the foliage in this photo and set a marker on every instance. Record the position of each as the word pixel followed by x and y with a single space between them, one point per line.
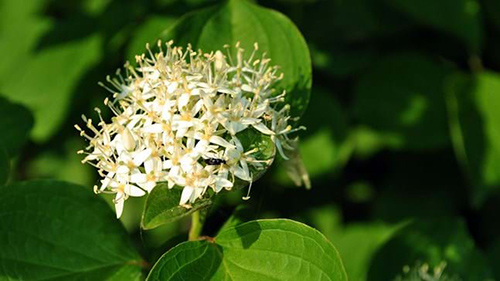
pixel 402 144
pixel 255 250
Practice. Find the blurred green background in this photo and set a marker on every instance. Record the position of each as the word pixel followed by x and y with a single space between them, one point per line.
pixel 403 122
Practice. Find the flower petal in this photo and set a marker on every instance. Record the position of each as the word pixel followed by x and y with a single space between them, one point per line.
pixel 119 201
pixel 187 192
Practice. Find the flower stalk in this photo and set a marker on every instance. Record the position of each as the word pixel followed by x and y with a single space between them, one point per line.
pixel 196 226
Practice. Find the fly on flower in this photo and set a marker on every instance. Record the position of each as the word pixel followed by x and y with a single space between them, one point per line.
pixel 215 161
pixel 177 117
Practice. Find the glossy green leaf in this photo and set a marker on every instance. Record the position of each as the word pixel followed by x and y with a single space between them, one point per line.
pixel 4 166
pixel 461 18
pixel 162 206
pixel 473 104
pixel 15 126
pixel 431 242
pixel 403 97
pixel 42 78
pixel 242 21
pixel 261 250
pixel 53 230
pixel 265 150
pixel 241 214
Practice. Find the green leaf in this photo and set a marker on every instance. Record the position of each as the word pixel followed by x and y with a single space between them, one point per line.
pixel 240 20
pixel 402 97
pixel 63 164
pixel 21 30
pixel 276 249
pixel 149 32
pixel 460 18
pixel 162 206
pixel 431 242
pixel 240 215
pixel 356 242
pixel 15 126
pixel 42 78
pixel 473 104
pixel 53 230
pixel 4 166
pixel 323 145
pixel 44 84
pixel 367 141
pixel 266 150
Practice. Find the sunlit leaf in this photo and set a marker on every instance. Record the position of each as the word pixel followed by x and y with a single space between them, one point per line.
pixel 367 141
pixel 45 82
pixel 162 206
pixel 21 30
pixel 42 79
pixel 475 122
pixel 257 250
pixel 53 230
pixel 242 21
pixel 356 242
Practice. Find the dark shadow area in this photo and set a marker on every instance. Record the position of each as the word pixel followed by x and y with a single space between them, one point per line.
pixel 430 241
pixel 249 233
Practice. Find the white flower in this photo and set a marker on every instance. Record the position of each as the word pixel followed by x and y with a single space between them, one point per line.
pixel 123 191
pixel 176 120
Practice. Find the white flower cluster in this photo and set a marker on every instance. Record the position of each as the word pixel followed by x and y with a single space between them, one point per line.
pixel 176 117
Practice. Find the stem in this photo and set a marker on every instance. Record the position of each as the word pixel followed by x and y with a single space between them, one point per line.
pixel 196 226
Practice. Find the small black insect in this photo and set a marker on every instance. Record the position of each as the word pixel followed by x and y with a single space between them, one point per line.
pixel 214 161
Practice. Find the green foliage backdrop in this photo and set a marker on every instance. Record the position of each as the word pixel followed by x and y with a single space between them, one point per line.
pixel 401 100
